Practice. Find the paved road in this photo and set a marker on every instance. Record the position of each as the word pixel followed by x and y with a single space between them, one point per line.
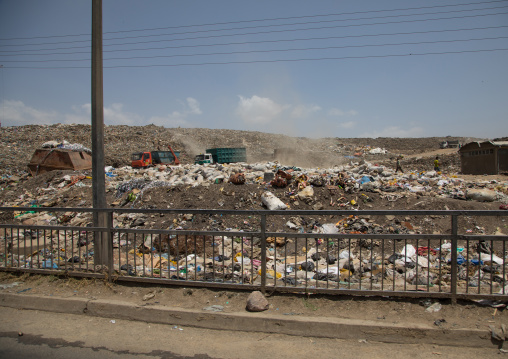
pixel 54 335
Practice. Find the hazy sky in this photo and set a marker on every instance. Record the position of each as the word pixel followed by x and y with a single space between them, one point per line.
pixel 302 68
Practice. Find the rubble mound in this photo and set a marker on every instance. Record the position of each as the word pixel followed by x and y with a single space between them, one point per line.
pixel 17 145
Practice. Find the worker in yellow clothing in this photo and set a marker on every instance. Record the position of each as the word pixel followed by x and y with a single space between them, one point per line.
pixel 436 164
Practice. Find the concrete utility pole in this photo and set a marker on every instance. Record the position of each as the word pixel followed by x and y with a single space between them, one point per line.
pixel 103 248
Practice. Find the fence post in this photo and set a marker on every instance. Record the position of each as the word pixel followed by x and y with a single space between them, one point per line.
pixel 454 266
pixel 263 253
pixel 109 243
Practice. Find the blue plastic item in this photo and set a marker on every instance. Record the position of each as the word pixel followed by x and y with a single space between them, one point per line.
pixel 47 264
pixel 364 179
pixel 460 260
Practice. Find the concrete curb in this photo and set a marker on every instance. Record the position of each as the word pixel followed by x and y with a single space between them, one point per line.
pixel 255 322
pixel 49 304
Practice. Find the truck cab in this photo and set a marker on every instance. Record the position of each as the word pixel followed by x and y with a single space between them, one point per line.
pixel 141 159
pixel 203 158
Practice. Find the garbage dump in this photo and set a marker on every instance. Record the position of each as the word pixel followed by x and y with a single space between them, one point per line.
pixel 331 256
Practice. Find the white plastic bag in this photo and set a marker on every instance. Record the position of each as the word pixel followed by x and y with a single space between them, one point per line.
pixel 272 202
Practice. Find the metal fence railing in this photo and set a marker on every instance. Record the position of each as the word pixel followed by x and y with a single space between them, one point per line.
pixel 350 255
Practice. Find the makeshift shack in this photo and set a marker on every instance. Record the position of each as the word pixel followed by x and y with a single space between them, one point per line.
pixel 50 159
pixel 489 157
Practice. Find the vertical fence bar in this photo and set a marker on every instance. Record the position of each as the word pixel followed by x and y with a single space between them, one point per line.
pixel 454 267
pixel 503 282
pixel 188 240
pixel 349 263
pixel 394 267
pixel 87 252
pixel 144 265
pixel 109 243
pixel 416 265
pixel 371 263
pixel 327 241
pixel 440 262
pixel 5 247
pixel 275 262
pixel 135 254
pixel 491 264
pixel 263 253
pixel 233 254
pixel 78 243
pixel 151 255
pixel 317 263
pixel 24 244
pixel 338 263
pixel 405 265
pixel 383 264
pixel 306 262
pixel 213 257
pixel 195 257
pixel 285 261
pixel 38 250
pixel 58 249
pixel 360 265
pixel 479 254
pixel 429 252
pixel 295 267
pixel 51 249
pixel 468 264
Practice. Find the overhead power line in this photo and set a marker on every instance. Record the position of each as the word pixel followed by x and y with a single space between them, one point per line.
pixel 262 20
pixel 302 29
pixel 309 16
pixel 263 51
pixel 265 61
pixel 243 34
pixel 309 22
pixel 17 53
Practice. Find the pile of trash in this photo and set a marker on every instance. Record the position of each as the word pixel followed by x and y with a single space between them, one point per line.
pixel 347 262
pixel 321 263
pixel 360 178
pixel 65 145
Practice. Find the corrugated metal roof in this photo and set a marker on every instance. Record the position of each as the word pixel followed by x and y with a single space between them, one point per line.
pixel 497 143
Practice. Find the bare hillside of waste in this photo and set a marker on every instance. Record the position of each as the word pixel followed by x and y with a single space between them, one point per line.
pixel 17 144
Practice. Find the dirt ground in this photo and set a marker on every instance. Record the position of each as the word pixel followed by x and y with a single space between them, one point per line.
pixel 465 314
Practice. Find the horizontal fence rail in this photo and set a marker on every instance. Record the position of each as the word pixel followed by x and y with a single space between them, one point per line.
pixel 351 255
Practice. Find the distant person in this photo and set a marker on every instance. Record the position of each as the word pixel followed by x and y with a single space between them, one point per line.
pixel 399 168
pixel 436 164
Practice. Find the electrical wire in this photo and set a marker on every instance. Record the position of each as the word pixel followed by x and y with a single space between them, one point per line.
pixel 263 51
pixel 261 20
pixel 264 61
pixel 309 16
pixel 306 23
pixel 22 52
pixel 303 29
pixel 277 25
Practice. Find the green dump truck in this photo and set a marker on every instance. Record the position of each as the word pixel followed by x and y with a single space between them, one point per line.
pixel 222 155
